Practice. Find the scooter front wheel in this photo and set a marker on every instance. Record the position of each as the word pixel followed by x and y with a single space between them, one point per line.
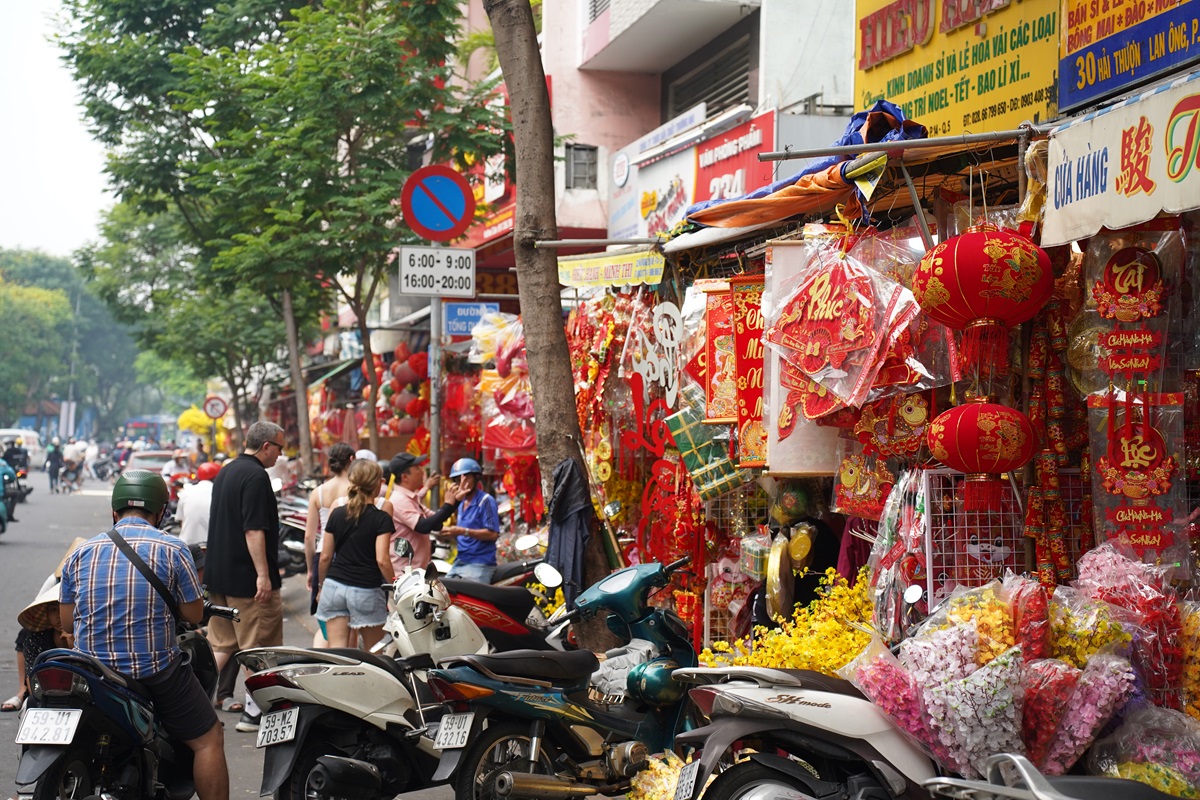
pixel 68 779
pixel 499 748
pixel 750 780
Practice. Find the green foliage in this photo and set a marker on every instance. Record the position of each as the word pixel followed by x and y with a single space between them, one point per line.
pixel 36 344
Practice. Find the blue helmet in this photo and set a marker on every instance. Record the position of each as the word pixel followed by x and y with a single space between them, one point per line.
pixel 465 466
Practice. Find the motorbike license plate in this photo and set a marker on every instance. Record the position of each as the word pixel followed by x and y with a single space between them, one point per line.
pixel 277 728
pixel 49 726
pixel 686 785
pixel 452 733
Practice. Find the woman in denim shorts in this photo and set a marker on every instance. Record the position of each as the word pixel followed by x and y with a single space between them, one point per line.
pixel 351 603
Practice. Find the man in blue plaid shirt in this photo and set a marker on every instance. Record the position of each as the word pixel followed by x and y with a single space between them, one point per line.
pixel 119 619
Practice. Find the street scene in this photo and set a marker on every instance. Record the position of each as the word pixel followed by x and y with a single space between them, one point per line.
pixel 643 399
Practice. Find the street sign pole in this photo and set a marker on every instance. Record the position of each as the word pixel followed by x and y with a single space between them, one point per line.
pixel 435 400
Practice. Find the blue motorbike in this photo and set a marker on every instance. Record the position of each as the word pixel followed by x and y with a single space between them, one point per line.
pixel 533 723
pixel 91 731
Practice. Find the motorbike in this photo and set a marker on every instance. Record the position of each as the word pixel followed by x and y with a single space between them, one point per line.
pixel 11 492
pixel 103 467
pixel 342 722
pixel 293 518
pixel 557 725
pixel 1013 777
pixel 23 491
pixel 91 731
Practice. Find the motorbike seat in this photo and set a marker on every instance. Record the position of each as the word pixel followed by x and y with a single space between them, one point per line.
pixel 95 666
pixel 505 571
pixel 515 601
pixel 815 680
pixel 555 667
pixel 388 665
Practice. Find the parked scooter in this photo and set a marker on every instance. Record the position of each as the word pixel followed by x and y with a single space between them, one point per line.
pixel 342 722
pixel 509 615
pixel 93 732
pixel 293 517
pixel 557 725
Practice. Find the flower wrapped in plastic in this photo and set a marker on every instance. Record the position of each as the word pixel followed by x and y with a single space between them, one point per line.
pixel 980 715
pixel 988 610
pixel 1106 683
pixel 1049 684
pixel 657 779
pixel 935 657
pixel 1029 603
pixel 1191 658
pixel 1081 627
pixel 882 678
pixel 1157 746
pixel 1141 589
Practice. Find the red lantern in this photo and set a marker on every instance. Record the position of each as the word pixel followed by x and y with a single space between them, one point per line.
pixel 984 282
pixel 982 439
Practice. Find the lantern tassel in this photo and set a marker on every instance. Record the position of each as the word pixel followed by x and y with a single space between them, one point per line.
pixel 985 348
pixel 982 493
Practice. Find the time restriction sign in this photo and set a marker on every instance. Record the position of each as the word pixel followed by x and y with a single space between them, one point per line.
pixel 437 271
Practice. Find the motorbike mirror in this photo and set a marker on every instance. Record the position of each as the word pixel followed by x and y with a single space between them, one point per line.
pixel 529 541
pixel 431 573
pixel 913 594
pixel 613 509
pixel 403 548
pixel 276 485
pixel 548 576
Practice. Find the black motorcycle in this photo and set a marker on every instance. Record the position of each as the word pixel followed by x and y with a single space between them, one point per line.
pixel 91 731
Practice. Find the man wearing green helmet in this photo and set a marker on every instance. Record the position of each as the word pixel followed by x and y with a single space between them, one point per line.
pixel 119 619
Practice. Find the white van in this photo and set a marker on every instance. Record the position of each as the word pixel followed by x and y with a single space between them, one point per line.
pixel 32 441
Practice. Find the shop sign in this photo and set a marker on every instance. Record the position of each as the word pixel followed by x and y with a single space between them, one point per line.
pixel 960 66
pixel 612 269
pixel 720 374
pixel 1123 166
pixel 459 318
pixel 650 199
pixel 747 341
pixel 1108 46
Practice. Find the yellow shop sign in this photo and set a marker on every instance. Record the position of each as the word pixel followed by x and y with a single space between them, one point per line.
pixel 960 66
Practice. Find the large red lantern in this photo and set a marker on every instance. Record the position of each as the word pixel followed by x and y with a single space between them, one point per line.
pixel 984 282
pixel 982 439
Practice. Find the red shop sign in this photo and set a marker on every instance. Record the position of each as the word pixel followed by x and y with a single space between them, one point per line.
pixel 728 165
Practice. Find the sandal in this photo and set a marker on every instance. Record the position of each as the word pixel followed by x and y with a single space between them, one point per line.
pixel 232 706
pixel 13 703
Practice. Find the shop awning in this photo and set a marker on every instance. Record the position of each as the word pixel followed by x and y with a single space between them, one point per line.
pixel 340 368
pixel 710 236
pixel 1125 164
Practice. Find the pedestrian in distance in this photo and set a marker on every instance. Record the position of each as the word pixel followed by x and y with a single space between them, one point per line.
pixel 477 526
pixel 243 554
pixel 414 520
pixel 54 462
pixel 359 534
pixel 330 494
pixel 118 618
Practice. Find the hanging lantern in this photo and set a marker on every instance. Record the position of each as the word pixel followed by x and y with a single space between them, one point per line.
pixel 982 439
pixel 984 282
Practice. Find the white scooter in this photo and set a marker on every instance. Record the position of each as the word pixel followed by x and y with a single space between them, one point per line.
pixel 804 735
pixel 343 722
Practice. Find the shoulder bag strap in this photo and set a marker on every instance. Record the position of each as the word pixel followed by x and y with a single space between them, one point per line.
pixel 144 568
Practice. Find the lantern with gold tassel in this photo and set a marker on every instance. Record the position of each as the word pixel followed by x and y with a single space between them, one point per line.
pixel 982 439
pixel 984 282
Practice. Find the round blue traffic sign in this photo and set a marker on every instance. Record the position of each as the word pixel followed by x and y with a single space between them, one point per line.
pixel 437 203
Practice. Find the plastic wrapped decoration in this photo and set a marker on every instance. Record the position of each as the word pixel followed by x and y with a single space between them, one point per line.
pixel 862 482
pixel 1106 683
pixel 1155 746
pixel 1049 685
pixel 897 558
pixel 838 323
pixel 1029 605
pixel 1081 627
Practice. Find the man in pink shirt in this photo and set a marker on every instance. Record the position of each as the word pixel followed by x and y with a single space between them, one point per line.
pixel 414 520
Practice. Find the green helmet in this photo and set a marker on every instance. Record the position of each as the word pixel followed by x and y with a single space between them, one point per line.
pixel 654 683
pixel 140 488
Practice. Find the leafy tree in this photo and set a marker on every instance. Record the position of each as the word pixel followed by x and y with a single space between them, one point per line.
pixel 313 129
pixel 36 344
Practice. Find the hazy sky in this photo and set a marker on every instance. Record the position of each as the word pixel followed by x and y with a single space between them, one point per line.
pixel 53 189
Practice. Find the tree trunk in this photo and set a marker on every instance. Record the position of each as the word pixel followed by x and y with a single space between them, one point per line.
pixel 298 384
pixel 556 422
pixel 369 359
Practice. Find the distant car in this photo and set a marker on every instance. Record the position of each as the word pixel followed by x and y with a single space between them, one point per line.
pixel 153 460
pixel 31 441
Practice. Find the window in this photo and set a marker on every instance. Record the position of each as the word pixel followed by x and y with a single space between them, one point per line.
pixel 596 8
pixel 581 166
pixel 722 82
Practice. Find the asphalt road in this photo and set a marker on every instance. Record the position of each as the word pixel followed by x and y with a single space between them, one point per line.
pixel 30 551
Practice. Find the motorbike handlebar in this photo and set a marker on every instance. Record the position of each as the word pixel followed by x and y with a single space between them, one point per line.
pixel 221 611
pixel 388 587
pixel 676 565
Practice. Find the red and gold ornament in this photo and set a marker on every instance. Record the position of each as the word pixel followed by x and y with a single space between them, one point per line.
pixel 982 439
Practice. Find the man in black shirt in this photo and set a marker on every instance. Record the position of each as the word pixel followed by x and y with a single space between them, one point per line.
pixel 242 568
pixel 16 455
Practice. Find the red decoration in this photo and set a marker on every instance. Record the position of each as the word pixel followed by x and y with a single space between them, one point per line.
pixel 419 363
pixel 984 282
pixel 982 439
pixel 416 407
pixel 1132 286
